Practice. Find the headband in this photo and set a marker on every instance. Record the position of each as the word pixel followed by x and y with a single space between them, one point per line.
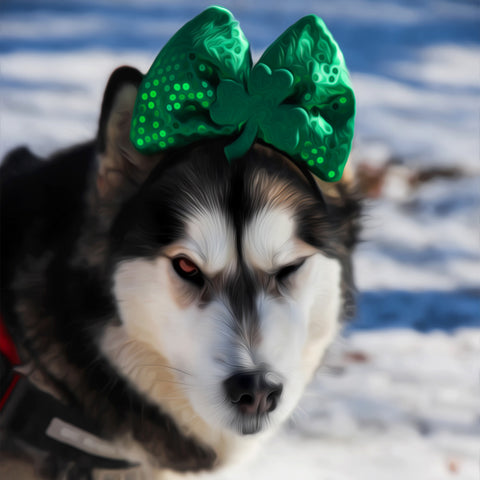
pixel 298 97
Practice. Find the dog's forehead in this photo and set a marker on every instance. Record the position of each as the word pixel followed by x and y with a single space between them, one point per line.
pixel 248 219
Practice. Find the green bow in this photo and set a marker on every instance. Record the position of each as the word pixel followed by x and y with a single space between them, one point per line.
pixel 298 97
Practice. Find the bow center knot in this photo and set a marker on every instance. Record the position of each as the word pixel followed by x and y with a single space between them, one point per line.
pixel 254 104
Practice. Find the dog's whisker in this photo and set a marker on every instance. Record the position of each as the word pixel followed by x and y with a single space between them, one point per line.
pixel 172 382
pixel 161 365
pixel 298 415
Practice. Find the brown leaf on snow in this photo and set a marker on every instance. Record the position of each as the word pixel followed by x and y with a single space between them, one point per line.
pixel 357 357
pixel 453 466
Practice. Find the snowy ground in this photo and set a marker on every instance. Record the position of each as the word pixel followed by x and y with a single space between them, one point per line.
pixel 399 395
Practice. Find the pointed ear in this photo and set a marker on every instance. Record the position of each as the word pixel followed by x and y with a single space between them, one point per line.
pixel 122 169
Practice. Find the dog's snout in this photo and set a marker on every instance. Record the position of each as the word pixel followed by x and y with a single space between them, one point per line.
pixel 253 392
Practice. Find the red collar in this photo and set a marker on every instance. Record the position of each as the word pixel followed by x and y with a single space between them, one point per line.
pixel 10 354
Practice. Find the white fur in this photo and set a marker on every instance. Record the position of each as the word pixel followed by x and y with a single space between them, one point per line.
pixel 269 240
pixel 210 239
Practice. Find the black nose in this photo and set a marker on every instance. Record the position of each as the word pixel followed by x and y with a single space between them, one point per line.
pixel 252 392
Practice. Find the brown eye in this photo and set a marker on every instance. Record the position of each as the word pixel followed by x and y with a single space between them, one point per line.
pixel 187 267
pixel 187 270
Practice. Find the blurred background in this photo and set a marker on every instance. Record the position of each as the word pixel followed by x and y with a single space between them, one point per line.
pixel 398 396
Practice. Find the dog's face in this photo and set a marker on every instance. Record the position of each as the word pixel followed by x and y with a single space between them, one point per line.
pixel 224 274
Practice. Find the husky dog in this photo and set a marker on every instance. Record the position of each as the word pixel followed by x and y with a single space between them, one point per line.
pixel 177 303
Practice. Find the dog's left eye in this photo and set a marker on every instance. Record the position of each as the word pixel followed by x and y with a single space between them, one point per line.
pixel 285 272
pixel 187 270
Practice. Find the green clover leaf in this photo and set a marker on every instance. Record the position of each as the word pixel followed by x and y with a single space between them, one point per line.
pixel 279 132
pixel 232 104
pixel 274 86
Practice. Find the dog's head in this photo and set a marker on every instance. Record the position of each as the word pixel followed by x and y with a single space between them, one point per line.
pixel 229 278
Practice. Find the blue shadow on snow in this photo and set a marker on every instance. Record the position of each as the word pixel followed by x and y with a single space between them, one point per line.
pixel 423 311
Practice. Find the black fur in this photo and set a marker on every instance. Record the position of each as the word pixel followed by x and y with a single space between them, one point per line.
pixel 120 77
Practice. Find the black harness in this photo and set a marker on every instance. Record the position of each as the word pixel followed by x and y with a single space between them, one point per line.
pixel 56 437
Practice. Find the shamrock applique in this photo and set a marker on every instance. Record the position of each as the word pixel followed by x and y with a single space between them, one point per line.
pixel 258 109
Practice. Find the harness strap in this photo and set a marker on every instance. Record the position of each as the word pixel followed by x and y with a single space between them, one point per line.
pixel 31 417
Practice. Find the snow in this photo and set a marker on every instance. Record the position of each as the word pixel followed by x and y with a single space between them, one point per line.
pixel 422 239
pixel 398 395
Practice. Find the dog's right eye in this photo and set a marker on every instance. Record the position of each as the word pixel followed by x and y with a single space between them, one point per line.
pixel 187 270
pixel 285 272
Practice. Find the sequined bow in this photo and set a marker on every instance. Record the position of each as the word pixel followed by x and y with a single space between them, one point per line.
pixel 298 97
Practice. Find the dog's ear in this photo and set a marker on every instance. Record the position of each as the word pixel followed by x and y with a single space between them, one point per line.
pixel 122 169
